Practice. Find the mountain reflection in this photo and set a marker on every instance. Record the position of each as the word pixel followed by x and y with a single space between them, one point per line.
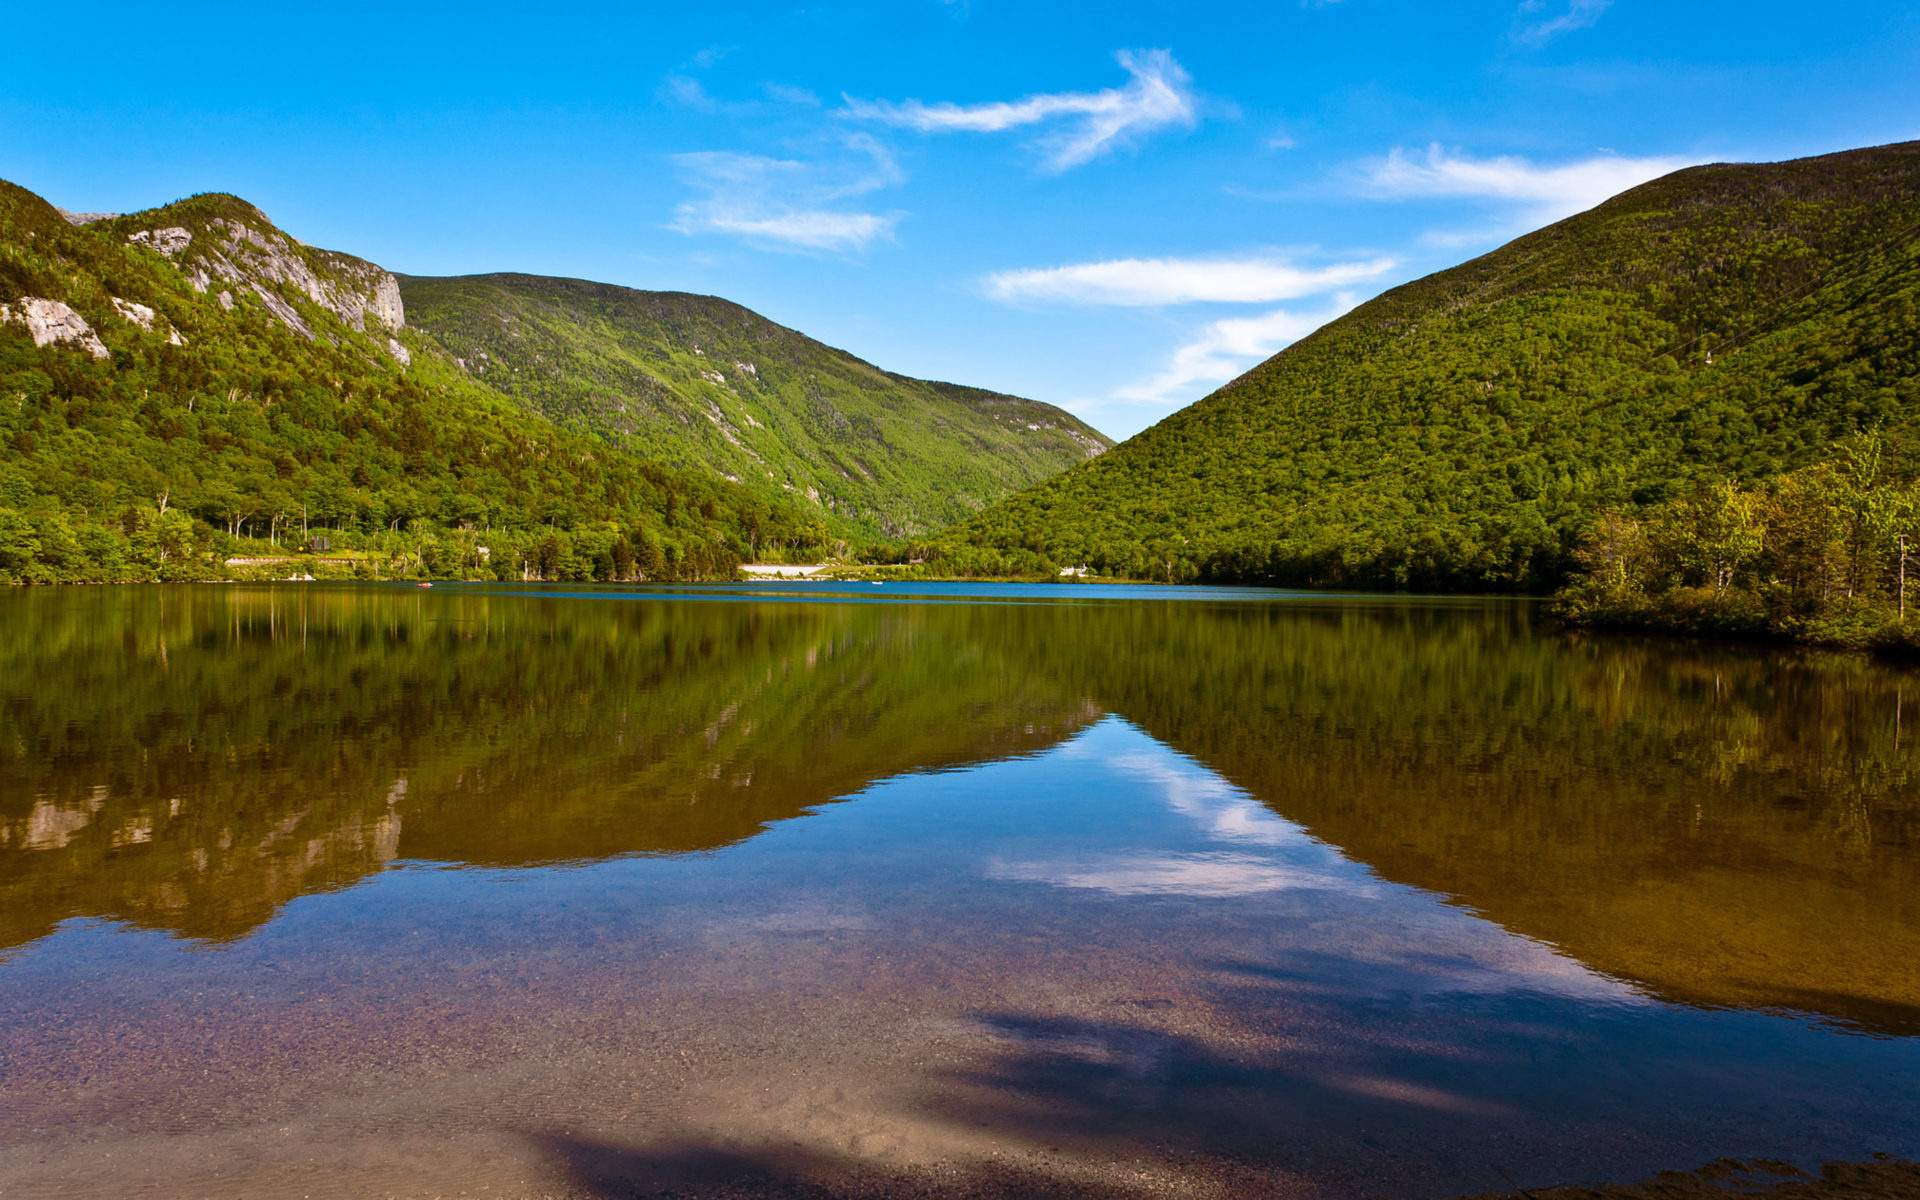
pixel 1718 827
pixel 1721 827
pixel 191 759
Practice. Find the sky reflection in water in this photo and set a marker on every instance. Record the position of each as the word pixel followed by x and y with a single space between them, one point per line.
pixel 1388 895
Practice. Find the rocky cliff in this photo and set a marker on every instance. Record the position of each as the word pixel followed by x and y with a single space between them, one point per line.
pixel 223 245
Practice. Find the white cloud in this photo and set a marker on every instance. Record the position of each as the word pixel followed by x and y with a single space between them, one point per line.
pixel 1579 15
pixel 1156 281
pixel 786 204
pixel 814 230
pixel 1089 123
pixel 1219 350
pixel 1225 348
pixel 1545 193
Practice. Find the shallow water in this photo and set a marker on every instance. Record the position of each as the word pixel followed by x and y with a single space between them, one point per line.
pixel 363 891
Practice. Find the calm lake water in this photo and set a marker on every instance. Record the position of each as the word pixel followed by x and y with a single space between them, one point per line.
pixel 351 890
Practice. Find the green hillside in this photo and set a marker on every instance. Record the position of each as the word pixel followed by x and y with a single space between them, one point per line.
pixel 700 381
pixel 1460 432
pixel 189 383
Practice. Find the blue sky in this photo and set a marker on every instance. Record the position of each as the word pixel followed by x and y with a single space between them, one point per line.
pixel 1111 206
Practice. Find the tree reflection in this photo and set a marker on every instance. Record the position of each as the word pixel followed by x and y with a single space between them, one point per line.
pixel 1721 827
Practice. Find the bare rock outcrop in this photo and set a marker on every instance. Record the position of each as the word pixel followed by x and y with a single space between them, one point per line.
pixel 385 303
pixel 277 269
pixel 50 321
pixel 144 317
pixel 169 241
pixel 350 289
pixel 74 218
pixel 288 314
pixel 139 314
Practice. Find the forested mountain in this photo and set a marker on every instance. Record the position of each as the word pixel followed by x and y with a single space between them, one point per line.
pixel 1460 432
pixel 700 381
pixel 190 383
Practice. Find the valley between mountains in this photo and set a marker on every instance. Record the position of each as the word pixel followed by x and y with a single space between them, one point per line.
pixel 191 387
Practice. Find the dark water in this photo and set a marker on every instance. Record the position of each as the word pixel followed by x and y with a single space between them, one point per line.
pixel 361 891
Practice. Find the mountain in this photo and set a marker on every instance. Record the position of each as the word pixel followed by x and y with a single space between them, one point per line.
pixel 189 383
pixel 696 380
pixel 195 360
pixel 1460 432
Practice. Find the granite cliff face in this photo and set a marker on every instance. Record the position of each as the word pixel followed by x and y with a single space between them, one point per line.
pixel 222 245
pixel 53 321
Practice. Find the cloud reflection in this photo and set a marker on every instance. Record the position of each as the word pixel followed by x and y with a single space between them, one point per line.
pixel 1396 940
pixel 1270 854
pixel 1219 874
pixel 1222 810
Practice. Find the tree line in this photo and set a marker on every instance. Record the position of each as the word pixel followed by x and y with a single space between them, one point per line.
pixel 147 545
pixel 1829 554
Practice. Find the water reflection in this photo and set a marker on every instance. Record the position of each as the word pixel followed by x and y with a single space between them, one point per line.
pixel 1721 828
pixel 191 759
pixel 1725 828
pixel 1269 854
pixel 433 891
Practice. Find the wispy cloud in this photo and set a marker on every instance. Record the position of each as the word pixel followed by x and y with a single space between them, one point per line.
pixel 786 204
pixel 1085 124
pixel 811 229
pixel 682 89
pixel 1544 193
pixel 781 93
pixel 687 92
pixel 1223 349
pixel 1579 15
pixel 1148 282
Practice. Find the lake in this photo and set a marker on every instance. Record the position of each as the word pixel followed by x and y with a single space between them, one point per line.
pixel 811 889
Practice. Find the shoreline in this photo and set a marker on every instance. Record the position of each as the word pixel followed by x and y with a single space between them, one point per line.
pixel 1887 641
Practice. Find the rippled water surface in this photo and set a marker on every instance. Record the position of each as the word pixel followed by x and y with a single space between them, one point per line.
pixel 366 891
